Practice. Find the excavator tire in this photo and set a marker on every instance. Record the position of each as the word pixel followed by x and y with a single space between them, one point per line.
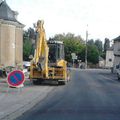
pixel 37 82
pixel 61 82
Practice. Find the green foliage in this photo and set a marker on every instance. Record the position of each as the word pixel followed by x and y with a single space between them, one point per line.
pixel 98 44
pixel 27 48
pixel 93 54
pixel 75 44
pixel 103 55
pixel 90 42
pixel 72 46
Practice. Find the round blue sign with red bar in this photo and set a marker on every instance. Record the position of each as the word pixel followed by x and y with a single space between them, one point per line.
pixel 16 78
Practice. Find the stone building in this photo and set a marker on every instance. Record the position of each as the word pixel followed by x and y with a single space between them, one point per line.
pixel 11 36
pixel 116 52
pixel 109 58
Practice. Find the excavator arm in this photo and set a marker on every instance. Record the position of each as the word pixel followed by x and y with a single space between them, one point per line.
pixel 42 50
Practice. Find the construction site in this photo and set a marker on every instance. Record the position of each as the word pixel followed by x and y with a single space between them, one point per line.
pixel 65 76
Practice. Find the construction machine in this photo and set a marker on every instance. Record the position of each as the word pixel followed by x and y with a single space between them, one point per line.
pixel 48 63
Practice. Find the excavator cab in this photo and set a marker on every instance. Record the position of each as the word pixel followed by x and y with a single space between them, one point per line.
pixel 56 51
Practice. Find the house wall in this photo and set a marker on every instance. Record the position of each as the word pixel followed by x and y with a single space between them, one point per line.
pixel 11 44
pixel 116 62
pixel 116 54
pixel 109 59
pixel 0 42
pixel 117 47
pixel 7 47
pixel 19 45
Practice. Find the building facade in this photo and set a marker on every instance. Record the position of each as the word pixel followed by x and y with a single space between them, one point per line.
pixel 11 37
pixel 109 58
pixel 116 52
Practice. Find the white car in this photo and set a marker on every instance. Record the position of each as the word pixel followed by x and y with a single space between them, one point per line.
pixel 26 68
pixel 26 64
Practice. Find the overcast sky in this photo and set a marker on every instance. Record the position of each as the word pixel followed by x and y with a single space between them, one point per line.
pixel 63 16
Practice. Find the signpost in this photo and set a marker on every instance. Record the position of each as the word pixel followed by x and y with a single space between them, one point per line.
pixel 74 57
pixel 15 78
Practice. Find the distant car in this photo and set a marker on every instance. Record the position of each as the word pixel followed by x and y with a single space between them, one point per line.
pixel 26 64
pixel 26 68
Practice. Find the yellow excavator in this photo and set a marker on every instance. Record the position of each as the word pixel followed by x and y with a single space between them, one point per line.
pixel 48 63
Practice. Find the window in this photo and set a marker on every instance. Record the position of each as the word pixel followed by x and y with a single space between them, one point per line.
pixel 110 60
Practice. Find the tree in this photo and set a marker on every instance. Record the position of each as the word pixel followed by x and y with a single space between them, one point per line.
pixel 99 45
pixel 29 37
pixel 106 44
pixel 75 44
pixel 27 48
pixel 93 54
pixel 81 54
pixel 31 33
pixel 90 42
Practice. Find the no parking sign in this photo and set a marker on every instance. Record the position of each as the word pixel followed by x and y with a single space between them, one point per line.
pixel 15 78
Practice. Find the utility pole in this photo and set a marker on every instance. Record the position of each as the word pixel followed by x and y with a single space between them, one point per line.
pixel 86 49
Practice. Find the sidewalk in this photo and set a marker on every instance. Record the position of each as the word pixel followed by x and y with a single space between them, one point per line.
pixel 14 102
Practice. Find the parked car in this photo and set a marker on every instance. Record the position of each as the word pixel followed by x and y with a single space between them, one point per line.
pixel 26 64
pixel 26 68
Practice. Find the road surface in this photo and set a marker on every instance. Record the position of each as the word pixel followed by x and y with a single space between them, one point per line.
pixel 90 95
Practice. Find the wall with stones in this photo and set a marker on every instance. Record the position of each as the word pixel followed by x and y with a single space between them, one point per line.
pixel 19 45
pixel 7 44
pixel 11 44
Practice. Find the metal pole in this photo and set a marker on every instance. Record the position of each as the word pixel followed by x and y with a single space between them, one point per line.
pixel 86 50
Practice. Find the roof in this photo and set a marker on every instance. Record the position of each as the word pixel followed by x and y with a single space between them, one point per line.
pixel 6 13
pixel 117 38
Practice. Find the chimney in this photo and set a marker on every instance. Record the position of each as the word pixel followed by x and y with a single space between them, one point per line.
pixel 15 14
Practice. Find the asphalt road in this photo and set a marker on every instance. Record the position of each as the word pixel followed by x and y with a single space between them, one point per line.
pixel 90 95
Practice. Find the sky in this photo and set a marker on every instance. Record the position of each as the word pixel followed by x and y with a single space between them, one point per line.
pixel 100 17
